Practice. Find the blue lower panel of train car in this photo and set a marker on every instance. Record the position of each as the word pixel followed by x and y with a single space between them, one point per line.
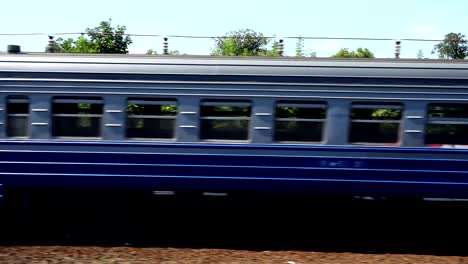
pixel 1 194
pixel 375 171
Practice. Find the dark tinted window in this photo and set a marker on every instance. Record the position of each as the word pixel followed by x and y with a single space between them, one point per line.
pixel 17 116
pixel 299 121
pixel 375 122
pixel 225 119
pixel 151 118
pixel 447 124
pixel 77 117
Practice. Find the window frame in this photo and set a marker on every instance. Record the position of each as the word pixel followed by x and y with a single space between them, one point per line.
pixel 12 100
pixel 227 102
pixel 375 105
pixel 78 100
pixel 301 104
pixel 444 121
pixel 152 101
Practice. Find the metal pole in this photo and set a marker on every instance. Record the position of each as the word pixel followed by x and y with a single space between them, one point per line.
pixel 51 45
pixel 165 46
pixel 397 49
pixel 281 47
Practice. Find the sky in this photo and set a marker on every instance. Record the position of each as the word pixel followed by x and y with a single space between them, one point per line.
pixel 396 19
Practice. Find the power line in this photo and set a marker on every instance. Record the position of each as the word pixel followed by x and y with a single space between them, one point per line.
pixel 215 37
pixel 376 39
pixel 21 34
pixel 339 38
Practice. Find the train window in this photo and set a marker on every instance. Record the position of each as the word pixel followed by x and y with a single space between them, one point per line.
pixel 17 116
pixel 299 121
pixel 375 122
pixel 225 119
pixel 151 118
pixel 77 117
pixel 447 124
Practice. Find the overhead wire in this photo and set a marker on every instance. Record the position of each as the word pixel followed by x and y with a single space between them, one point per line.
pixel 215 37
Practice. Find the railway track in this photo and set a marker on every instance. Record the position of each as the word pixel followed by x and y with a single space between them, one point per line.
pixel 210 229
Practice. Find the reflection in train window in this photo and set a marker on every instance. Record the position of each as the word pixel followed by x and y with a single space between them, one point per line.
pixel 151 118
pixel 77 117
pixel 17 109
pixel 297 121
pixel 375 122
pixel 447 124
pixel 225 119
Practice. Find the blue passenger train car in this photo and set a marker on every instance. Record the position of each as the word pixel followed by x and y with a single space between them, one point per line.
pixel 385 128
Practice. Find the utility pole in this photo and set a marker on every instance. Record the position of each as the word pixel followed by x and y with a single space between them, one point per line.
pixel 281 47
pixel 397 49
pixel 166 46
pixel 51 46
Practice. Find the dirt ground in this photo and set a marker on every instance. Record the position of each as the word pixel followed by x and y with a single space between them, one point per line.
pixel 120 255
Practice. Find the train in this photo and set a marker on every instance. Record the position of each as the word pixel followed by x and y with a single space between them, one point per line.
pixel 175 124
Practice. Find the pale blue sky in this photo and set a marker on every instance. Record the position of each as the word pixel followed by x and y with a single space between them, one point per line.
pixel 395 19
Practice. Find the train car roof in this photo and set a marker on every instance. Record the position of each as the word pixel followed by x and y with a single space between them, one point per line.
pixel 211 65
pixel 195 59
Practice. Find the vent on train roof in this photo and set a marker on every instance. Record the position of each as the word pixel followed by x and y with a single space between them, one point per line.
pixel 13 49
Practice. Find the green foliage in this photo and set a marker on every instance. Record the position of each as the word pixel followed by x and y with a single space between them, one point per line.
pixel 344 53
pixel 136 109
pixel 387 114
pixel 108 39
pixel 448 111
pixel 173 52
pixel 228 49
pixel 153 52
pixel 274 51
pixel 243 42
pixel 300 112
pixel 80 45
pixel 420 54
pixel 53 46
pixel 376 114
pixel 300 47
pixel 384 129
pixel 454 46
pixel 229 111
pixel 359 53
pixel 301 51
pixel 102 39
pixel 169 109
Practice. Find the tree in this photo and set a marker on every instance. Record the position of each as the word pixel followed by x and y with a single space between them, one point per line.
pixel 420 54
pixel 151 52
pixel 108 39
pixel 171 52
pixel 274 51
pixel 454 46
pixel 80 45
pixel 300 47
pixel 301 51
pixel 359 53
pixel 243 42
pixel 102 39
